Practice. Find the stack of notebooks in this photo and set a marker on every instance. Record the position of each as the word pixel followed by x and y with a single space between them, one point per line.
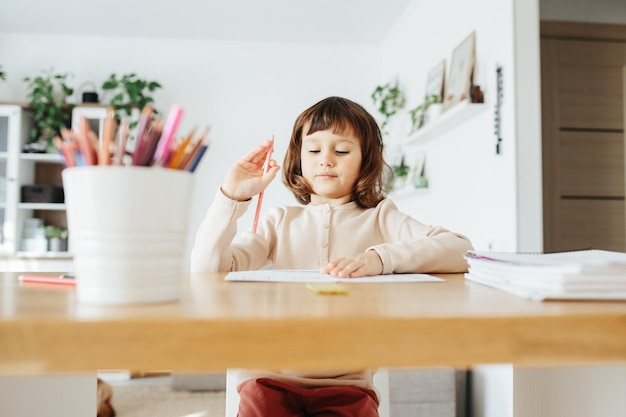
pixel 578 275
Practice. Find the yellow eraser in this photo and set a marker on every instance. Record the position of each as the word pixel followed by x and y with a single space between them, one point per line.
pixel 328 288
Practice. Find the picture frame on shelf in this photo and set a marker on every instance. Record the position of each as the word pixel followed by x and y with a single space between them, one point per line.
pixel 436 80
pixel 417 174
pixel 413 175
pixel 459 81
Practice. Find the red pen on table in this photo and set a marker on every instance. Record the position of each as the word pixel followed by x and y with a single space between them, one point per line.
pixel 268 158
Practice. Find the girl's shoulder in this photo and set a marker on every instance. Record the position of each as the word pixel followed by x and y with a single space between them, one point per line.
pixel 387 209
pixel 387 205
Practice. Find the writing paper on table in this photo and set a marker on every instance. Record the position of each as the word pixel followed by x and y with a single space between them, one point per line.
pixel 313 276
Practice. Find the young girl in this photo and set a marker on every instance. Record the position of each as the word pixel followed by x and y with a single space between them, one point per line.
pixel 345 227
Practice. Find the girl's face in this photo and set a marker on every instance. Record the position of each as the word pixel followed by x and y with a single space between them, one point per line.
pixel 331 164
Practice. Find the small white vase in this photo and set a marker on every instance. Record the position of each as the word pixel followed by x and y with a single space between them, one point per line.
pixel 56 244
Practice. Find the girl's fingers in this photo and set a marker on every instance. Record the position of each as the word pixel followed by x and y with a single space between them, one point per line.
pixel 342 267
pixel 254 160
pixel 269 176
pixel 258 155
pixel 254 156
pixel 364 264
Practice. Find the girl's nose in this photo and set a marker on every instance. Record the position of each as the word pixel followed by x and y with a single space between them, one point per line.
pixel 326 159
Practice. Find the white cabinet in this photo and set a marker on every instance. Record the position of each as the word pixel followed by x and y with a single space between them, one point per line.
pixel 16 170
pixel 39 169
pixel 14 126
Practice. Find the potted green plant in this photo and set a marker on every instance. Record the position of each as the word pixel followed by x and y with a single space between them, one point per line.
pixel 129 92
pixel 400 174
pixel 57 238
pixel 47 94
pixel 419 113
pixel 3 75
pixel 388 99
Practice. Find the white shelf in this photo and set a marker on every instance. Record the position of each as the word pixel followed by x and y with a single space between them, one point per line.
pixel 408 191
pixel 449 119
pixel 41 206
pixel 42 157
pixel 44 255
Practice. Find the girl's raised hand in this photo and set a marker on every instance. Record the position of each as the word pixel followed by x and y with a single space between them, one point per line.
pixel 247 177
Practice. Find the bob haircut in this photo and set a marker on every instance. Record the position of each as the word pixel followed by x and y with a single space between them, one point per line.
pixel 340 115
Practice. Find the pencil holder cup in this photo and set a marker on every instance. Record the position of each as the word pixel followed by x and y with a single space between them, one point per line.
pixel 128 230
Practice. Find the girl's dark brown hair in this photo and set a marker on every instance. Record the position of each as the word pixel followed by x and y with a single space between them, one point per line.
pixel 340 114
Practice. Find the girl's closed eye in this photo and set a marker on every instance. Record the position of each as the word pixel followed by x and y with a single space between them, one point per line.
pixel 342 152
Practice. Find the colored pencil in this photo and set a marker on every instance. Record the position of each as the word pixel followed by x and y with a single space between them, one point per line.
pixel 185 163
pixel 142 128
pixel 179 152
pixel 152 136
pixel 164 147
pixel 197 158
pixel 268 158
pixel 85 142
pixel 121 144
pixel 108 137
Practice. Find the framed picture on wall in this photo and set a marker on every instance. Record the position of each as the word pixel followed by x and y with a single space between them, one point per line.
pixel 461 68
pixel 435 81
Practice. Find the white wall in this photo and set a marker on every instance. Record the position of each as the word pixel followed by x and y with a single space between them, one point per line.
pixel 248 91
pixel 245 91
pixel 548 391
pixel 472 190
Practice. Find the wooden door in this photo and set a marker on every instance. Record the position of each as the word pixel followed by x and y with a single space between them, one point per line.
pixel 583 136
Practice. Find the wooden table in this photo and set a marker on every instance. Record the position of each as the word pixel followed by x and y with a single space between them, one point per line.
pixel 218 325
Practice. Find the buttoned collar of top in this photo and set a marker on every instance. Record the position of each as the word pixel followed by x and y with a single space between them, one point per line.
pixel 327 207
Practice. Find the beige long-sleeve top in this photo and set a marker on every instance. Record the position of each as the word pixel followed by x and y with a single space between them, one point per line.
pixel 308 237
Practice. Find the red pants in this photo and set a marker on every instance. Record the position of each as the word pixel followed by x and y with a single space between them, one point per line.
pixel 264 397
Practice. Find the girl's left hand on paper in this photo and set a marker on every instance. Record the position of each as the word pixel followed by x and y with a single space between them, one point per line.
pixel 247 177
pixel 360 265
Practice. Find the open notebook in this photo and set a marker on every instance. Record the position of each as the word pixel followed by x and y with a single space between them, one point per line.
pixel 584 275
